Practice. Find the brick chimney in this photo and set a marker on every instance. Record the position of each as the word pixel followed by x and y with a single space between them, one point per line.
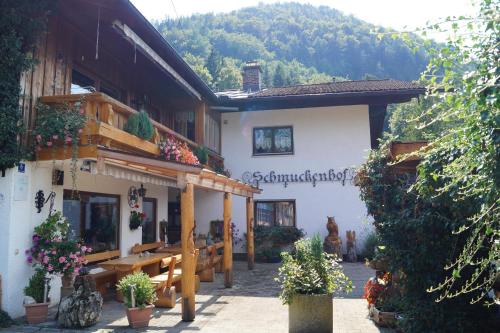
pixel 252 78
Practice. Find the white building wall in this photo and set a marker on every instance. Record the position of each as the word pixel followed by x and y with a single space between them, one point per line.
pixel 19 217
pixel 324 138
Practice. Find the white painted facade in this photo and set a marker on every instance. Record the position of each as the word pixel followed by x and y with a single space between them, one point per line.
pixel 324 138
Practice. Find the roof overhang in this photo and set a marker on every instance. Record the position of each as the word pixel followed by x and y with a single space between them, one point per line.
pixel 318 100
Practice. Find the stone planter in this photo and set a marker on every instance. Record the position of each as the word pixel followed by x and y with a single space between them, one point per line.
pixel 382 318
pixel 138 317
pixel 37 313
pixel 311 314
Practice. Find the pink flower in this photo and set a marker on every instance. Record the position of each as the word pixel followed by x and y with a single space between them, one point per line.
pixel 80 131
pixel 38 137
pixel 82 110
pixel 50 268
pixel 68 139
pixel 62 259
pixel 89 250
pixel 54 252
pixel 84 248
pixel 55 136
pixel 45 260
pixel 49 143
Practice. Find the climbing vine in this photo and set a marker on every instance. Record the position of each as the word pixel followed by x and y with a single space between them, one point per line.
pixel 21 22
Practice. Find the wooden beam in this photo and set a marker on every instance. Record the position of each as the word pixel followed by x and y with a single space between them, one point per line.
pixel 61 153
pixel 250 239
pixel 142 46
pixel 228 241
pixel 188 264
pixel 200 124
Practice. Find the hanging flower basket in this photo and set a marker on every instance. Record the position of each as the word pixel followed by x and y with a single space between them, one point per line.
pixel 136 219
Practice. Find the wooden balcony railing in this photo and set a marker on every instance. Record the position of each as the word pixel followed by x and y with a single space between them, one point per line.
pixel 106 120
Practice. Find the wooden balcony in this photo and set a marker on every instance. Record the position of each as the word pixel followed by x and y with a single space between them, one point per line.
pixel 106 120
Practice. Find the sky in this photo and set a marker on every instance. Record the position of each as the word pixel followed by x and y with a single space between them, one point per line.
pixel 396 14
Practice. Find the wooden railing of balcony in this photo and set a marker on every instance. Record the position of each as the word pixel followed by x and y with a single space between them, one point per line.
pixel 106 120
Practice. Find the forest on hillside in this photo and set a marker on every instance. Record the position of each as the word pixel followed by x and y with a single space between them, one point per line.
pixel 296 43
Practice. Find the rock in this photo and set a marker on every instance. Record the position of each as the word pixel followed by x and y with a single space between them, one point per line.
pixel 83 307
pixel 28 300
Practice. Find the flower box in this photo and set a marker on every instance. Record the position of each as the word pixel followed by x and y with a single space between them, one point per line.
pixel 382 318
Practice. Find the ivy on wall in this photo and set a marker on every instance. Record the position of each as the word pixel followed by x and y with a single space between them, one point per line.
pixel 21 22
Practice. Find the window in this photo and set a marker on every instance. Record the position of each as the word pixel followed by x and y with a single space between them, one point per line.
pixel 149 225
pixel 184 123
pixel 275 213
pixel 81 83
pixel 212 131
pixel 273 140
pixel 94 219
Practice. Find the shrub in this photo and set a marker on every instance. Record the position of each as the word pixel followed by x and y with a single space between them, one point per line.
pixel 140 125
pixel 144 290
pixel 310 271
pixel 270 241
pixel 419 240
pixel 371 243
pixel 36 286
pixel 5 319
pixel 202 154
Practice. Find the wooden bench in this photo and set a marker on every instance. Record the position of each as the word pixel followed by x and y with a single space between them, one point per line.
pixel 103 279
pixel 166 284
pixel 139 248
pixel 206 267
pixel 217 259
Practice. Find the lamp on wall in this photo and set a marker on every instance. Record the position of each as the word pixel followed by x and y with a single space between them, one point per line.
pixel 141 191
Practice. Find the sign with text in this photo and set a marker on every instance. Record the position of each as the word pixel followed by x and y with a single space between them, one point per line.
pixel 342 176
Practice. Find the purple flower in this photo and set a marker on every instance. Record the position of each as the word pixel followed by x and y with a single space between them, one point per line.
pixel 30 259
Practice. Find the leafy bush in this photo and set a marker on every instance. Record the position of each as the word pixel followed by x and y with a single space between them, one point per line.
pixel 270 240
pixel 140 125
pixel 36 286
pixel 419 240
pixel 5 319
pixel 310 271
pixel 371 243
pixel 144 290
pixel 201 153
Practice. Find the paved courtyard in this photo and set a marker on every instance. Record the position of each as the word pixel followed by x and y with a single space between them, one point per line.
pixel 252 306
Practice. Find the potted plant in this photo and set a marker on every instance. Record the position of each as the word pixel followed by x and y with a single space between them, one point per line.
pixel 36 302
pixel 382 298
pixel 136 219
pixel 53 252
pixel 139 295
pixel 201 153
pixel 308 278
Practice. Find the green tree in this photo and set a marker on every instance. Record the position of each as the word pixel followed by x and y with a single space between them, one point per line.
pixel 214 64
pixel 197 64
pixel 280 78
pixel 230 76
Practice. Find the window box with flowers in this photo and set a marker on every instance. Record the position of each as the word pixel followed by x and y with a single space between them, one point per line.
pixel 174 150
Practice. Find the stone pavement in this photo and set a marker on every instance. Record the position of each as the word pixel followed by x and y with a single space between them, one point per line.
pixel 250 306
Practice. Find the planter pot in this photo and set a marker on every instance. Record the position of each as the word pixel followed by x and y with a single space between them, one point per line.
pixel 37 313
pixel 138 317
pixel 382 318
pixel 311 314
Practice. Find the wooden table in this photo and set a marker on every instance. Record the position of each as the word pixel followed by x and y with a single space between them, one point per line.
pixel 134 263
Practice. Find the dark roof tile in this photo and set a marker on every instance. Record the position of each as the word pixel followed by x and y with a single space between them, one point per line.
pixel 339 87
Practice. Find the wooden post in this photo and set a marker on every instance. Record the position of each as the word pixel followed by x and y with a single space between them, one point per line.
pixel 228 241
pixel 188 264
pixel 199 124
pixel 250 240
